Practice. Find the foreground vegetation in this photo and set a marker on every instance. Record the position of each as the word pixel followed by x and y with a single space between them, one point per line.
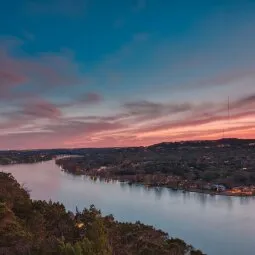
pixel 39 227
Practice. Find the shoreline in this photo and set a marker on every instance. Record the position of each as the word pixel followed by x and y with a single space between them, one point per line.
pixel 207 192
pixel 117 178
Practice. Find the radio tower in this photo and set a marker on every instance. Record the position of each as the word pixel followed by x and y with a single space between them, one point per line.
pixel 225 130
pixel 228 115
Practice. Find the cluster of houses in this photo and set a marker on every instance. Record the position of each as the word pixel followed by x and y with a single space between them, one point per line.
pixel 243 191
pixel 238 191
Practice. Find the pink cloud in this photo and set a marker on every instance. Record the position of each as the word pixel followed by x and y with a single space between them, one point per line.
pixel 53 69
pixel 10 79
pixel 132 140
pixel 40 108
pixel 137 124
pixel 30 141
pixel 27 113
pixel 63 133
pixel 146 110
pixel 56 140
pixel 42 71
pixel 248 101
pixel 10 73
pixel 82 130
pixel 11 123
pixel 194 121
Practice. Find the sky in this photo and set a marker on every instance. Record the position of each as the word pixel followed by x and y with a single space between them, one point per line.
pixel 94 73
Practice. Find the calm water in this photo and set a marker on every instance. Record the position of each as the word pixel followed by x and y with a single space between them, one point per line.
pixel 216 224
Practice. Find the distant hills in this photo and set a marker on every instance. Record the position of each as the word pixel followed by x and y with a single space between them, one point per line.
pixel 177 144
pixel 200 143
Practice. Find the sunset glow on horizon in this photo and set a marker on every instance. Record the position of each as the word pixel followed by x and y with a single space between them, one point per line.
pixel 86 73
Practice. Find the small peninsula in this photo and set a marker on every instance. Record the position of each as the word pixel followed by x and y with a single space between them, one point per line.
pixel 224 167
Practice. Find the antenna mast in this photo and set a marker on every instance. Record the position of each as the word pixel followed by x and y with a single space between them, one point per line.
pixel 228 114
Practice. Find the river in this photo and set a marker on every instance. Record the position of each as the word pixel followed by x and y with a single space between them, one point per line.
pixel 218 225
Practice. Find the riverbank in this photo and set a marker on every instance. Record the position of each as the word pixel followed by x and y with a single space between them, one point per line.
pixel 130 180
pixel 185 169
pixel 201 220
pixel 209 192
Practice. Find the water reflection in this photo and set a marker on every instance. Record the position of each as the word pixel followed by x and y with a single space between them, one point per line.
pixel 158 192
pixel 244 200
pixel 216 224
pixel 202 199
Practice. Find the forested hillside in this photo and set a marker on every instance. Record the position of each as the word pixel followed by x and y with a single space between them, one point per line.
pixel 39 227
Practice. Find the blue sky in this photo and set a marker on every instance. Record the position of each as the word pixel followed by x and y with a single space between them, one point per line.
pixel 127 64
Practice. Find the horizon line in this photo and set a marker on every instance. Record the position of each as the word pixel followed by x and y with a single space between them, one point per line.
pixel 144 146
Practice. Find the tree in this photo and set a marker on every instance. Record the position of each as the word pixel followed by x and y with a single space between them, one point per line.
pixel 98 235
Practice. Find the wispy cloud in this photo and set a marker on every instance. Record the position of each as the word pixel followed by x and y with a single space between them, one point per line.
pixel 40 108
pixel 140 37
pixel 8 79
pixel 90 98
pixel 139 5
pixel 87 98
pixel 246 102
pixel 137 123
pixel 145 110
pixel 43 71
pixel 228 78
pixel 64 7
pixel 191 123
pixel 10 73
